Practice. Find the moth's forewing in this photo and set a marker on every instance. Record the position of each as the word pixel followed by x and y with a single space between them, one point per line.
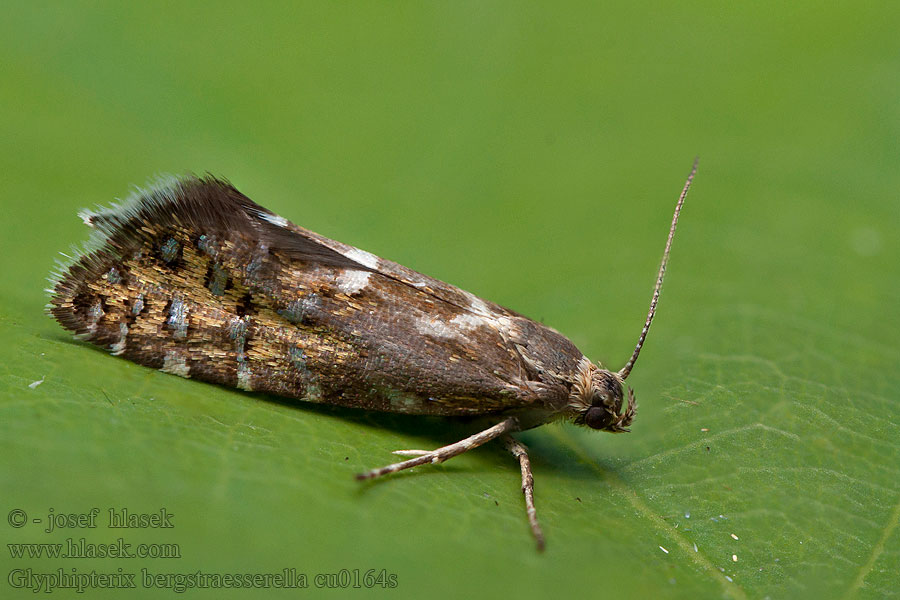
pixel 194 278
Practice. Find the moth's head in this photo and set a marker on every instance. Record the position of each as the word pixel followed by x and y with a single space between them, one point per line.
pixel 596 399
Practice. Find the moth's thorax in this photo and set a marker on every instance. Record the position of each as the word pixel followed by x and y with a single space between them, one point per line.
pixel 596 399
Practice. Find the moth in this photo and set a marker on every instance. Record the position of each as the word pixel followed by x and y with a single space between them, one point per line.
pixel 191 277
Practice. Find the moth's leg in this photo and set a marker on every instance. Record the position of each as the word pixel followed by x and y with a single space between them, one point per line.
pixel 521 452
pixel 442 454
pixel 411 452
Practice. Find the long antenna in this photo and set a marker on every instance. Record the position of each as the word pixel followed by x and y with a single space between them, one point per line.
pixel 626 370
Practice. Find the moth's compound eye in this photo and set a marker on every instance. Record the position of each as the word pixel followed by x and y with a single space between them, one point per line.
pixel 598 417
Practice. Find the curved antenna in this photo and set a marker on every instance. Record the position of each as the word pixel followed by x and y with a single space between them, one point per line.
pixel 626 370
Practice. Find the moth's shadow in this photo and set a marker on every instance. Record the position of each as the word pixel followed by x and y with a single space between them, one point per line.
pixel 545 450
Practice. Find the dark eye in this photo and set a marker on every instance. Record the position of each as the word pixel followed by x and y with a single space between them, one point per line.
pixel 597 417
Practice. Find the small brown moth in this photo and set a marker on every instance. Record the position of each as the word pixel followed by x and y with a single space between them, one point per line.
pixel 193 278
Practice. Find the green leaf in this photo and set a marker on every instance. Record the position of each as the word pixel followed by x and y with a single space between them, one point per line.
pixel 531 155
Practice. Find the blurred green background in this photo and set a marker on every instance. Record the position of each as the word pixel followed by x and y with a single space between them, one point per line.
pixel 531 154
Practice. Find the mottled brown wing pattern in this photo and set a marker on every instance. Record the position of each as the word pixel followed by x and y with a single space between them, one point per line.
pixel 193 278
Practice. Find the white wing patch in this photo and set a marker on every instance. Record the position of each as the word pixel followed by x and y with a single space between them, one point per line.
pixel 367 259
pixel 119 347
pixel 351 281
pixel 276 220
pixel 479 306
pixel 468 322
pixel 457 327
pixel 244 375
pixel 437 328
pixel 175 364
